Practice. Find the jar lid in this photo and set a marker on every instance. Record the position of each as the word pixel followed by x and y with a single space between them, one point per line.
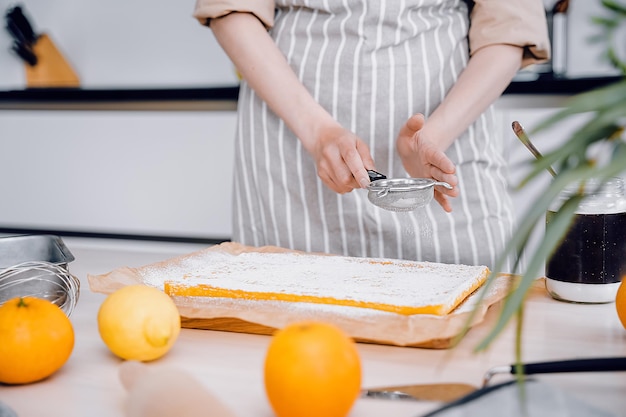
pixel 597 186
pixel 600 196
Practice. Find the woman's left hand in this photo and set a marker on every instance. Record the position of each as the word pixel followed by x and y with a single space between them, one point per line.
pixel 422 159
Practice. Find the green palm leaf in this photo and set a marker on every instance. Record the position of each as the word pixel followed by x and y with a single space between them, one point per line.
pixel 619 9
pixel 575 163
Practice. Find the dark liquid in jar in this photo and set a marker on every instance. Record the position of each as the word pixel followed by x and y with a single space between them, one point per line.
pixel 593 251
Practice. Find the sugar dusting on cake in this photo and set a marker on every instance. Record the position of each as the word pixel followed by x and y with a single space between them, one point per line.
pixel 324 279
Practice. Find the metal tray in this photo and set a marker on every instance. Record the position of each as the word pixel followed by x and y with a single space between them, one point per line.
pixel 48 248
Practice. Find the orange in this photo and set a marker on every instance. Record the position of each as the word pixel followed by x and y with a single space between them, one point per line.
pixel 620 302
pixel 312 369
pixel 37 339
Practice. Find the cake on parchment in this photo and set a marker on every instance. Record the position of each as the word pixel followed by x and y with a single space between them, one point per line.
pixel 399 286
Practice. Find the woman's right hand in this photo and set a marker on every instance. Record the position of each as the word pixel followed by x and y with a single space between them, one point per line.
pixel 341 159
pixel 340 156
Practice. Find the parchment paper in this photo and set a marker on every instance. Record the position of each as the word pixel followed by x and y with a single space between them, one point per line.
pixel 262 317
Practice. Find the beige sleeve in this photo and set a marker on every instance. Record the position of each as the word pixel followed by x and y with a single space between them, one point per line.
pixel 512 22
pixel 207 9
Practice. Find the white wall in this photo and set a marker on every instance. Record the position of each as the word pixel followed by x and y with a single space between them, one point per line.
pixel 584 57
pixel 123 43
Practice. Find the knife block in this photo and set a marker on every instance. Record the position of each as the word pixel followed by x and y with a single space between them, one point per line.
pixel 52 69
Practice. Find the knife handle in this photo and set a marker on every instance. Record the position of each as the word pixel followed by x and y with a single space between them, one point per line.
pixel 16 33
pixel 573 365
pixel 25 53
pixel 17 17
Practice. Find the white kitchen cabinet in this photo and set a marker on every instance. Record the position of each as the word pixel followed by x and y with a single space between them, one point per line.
pixel 168 173
pixel 161 173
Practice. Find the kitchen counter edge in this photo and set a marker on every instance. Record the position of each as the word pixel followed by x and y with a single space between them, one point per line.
pixel 224 98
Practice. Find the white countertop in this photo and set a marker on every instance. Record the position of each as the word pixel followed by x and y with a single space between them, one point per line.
pixel 231 364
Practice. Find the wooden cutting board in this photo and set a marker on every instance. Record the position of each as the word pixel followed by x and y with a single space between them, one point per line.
pixel 264 317
pixel 231 324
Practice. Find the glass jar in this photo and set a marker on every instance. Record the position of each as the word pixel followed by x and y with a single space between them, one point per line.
pixel 589 263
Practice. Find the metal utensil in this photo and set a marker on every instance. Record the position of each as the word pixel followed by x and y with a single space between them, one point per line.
pixel 523 137
pixel 572 365
pixel 37 266
pixel 447 392
pixel 427 392
pixel 401 194
pixel 40 279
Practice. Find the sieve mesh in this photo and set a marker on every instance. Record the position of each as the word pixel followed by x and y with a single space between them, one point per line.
pixel 401 200
pixel 403 194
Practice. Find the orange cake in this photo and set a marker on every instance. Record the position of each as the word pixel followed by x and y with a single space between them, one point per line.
pixel 398 286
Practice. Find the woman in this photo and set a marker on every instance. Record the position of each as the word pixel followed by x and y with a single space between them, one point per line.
pixel 332 88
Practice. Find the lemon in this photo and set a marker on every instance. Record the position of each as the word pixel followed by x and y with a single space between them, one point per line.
pixel 138 322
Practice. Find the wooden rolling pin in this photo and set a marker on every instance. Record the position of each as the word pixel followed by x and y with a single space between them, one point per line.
pixel 167 392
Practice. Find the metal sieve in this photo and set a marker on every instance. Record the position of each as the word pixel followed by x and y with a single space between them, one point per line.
pixel 401 194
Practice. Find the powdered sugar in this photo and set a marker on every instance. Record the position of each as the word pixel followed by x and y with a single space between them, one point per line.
pixel 326 279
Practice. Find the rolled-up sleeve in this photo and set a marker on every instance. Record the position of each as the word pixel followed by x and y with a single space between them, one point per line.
pixel 513 22
pixel 206 10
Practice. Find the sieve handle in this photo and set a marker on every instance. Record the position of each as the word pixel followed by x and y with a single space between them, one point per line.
pixel 443 184
pixel 375 175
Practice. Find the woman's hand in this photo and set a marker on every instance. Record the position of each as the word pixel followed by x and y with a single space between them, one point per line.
pixel 422 159
pixel 340 156
pixel 341 159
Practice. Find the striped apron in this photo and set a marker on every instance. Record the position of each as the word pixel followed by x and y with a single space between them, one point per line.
pixel 371 64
